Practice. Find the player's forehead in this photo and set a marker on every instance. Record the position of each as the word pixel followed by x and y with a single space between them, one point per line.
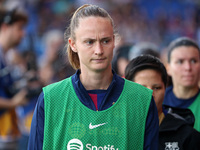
pixel 185 52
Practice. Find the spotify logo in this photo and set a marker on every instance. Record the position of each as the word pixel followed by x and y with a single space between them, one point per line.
pixel 75 144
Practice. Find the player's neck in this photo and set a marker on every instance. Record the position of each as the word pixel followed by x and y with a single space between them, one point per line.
pixel 91 80
pixel 185 92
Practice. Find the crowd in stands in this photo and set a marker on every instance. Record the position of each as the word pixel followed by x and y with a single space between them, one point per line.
pixel 158 22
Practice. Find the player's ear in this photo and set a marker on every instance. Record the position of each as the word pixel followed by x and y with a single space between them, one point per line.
pixel 72 44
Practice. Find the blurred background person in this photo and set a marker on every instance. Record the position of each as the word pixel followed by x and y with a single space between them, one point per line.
pixel 54 65
pixel 143 48
pixel 120 59
pixel 11 32
pixel 176 125
pixel 25 74
pixel 126 52
pixel 184 69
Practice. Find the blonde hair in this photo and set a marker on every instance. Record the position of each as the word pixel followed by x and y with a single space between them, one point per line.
pixel 82 12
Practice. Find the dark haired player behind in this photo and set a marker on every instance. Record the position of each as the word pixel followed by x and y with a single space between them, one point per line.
pixel 176 125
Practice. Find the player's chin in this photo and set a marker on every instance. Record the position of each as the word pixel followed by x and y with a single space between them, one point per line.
pixel 190 84
pixel 100 68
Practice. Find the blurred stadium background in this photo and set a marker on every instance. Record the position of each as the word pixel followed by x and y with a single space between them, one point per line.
pixel 157 21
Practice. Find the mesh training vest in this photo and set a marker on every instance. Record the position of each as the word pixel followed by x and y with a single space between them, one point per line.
pixel 71 125
pixel 195 108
